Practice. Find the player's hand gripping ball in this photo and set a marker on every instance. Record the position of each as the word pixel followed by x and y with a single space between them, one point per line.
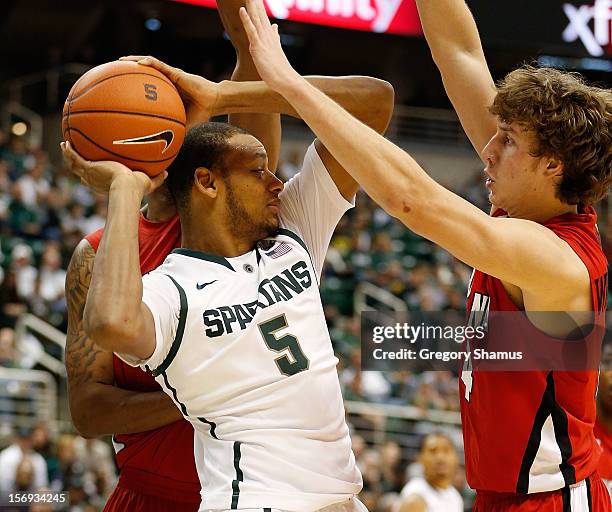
pixel 125 112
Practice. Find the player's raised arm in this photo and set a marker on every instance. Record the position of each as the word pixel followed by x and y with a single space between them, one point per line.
pixel 115 317
pixel 264 126
pixel 368 99
pixel 504 248
pixel 455 45
pixel 97 406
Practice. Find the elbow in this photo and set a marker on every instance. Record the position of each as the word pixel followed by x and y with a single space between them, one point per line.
pixel 81 411
pixel 387 102
pixel 112 332
pixel 382 99
pixel 84 429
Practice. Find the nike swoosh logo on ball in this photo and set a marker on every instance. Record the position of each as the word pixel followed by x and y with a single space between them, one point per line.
pixel 200 286
pixel 167 136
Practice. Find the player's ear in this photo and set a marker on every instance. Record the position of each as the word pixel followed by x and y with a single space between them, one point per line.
pixel 204 181
pixel 554 167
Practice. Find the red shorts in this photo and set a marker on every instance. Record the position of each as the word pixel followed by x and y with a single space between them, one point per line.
pixel 127 500
pixel 590 495
pixel 141 491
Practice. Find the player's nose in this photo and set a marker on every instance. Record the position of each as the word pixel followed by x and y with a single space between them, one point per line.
pixel 487 155
pixel 276 185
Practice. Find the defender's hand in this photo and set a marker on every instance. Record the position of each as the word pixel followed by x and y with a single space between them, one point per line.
pixel 199 95
pixel 99 176
pixel 265 47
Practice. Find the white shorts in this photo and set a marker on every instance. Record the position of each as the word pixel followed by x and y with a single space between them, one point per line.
pixel 350 505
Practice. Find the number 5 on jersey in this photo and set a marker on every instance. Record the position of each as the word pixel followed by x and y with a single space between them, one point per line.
pixel 295 361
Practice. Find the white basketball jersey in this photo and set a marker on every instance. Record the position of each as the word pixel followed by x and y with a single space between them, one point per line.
pixel 243 349
pixel 436 500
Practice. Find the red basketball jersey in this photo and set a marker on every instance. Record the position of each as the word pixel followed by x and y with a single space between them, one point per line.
pixel 604 438
pixel 532 431
pixel 160 461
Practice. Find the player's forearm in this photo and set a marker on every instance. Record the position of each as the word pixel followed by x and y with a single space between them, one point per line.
pixel 449 28
pixel 112 312
pixel 368 99
pixel 389 175
pixel 100 409
pixel 265 127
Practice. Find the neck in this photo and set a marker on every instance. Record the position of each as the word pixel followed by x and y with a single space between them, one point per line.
pixel 439 483
pixel 540 213
pixel 160 206
pixel 198 236
pixel 604 416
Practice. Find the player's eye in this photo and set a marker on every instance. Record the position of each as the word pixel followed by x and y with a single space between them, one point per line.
pixel 507 140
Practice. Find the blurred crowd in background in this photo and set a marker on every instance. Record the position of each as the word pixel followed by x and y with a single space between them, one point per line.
pixel 45 212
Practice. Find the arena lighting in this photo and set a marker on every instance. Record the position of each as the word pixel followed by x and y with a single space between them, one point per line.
pixel 19 128
pixel 589 64
pixel 153 24
pixel 385 16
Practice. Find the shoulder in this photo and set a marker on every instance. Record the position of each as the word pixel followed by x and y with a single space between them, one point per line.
pixel 79 270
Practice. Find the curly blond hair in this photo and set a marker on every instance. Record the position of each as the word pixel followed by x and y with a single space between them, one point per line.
pixel 571 121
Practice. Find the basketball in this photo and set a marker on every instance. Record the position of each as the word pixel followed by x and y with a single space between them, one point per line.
pixel 125 112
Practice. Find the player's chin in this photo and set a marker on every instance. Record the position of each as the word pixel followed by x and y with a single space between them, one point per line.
pixel 272 226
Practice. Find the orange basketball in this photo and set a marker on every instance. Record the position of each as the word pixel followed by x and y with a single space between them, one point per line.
pixel 125 112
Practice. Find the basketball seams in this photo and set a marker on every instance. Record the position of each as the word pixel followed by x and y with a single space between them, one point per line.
pixel 118 154
pixel 131 113
pixel 91 86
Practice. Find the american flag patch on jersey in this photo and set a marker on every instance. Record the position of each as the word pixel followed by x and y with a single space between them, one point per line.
pixel 280 250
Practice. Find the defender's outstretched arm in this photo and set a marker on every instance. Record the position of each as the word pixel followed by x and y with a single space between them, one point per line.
pixel 455 45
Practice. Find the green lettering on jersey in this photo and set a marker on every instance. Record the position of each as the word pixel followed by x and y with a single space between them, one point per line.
pixel 298 362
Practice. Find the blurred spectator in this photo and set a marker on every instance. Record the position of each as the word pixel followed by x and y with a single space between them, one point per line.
pixel 73 220
pixel 25 273
pixel 371 471
pixel 24 475
pixel 97 459
pixel 68 465
pixel 23 219
pixel 97 219
pixel 392 474
pixel 11 305
pixel 11 458
pixel 427 395
pixel 41 443
pixel 34 187
pixel 49 297
pixel 434 492
pixel 358 385
pixel 8 355
pixel 18 157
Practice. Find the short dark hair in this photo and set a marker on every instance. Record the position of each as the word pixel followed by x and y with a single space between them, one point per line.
pixel 434 433
pixel 204 146
pixel 572 122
